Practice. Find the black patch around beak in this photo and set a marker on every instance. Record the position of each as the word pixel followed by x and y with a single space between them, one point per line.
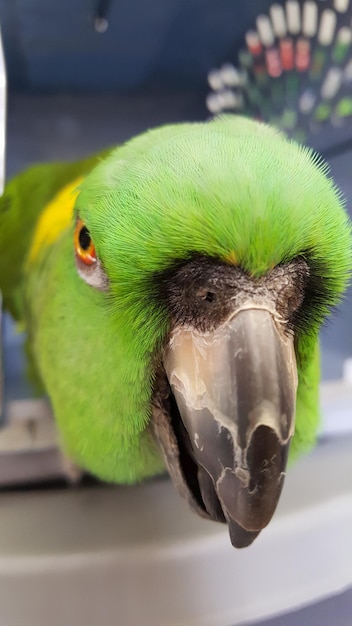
pixel 235 390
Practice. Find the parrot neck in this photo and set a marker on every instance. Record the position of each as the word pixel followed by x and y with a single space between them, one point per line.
pixel 307 404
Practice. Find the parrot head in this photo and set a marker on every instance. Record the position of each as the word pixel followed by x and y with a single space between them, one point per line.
pixel 206 258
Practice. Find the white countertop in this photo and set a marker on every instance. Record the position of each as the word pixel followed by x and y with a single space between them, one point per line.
pixel 137 556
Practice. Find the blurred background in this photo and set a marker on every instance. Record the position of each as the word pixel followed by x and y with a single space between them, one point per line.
pixel 86 74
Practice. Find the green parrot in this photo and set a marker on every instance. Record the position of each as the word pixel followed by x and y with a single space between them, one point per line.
pixel 172 291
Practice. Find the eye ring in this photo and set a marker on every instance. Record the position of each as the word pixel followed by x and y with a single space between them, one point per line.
pixel 84 247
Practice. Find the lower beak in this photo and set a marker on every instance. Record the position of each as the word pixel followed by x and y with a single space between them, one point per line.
pixel 235 388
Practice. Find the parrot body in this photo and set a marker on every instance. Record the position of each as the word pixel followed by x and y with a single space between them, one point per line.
pixel 186 238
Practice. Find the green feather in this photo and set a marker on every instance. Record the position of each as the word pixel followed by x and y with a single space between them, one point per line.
pixel 21 204
pixel 228 188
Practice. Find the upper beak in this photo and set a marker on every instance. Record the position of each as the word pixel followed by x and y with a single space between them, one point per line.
pixel 235 389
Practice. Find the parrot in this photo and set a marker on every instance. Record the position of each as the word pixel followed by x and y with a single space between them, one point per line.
pixel 172 290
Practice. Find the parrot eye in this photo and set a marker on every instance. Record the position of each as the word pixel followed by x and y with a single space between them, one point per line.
pixel 84 247
pixel 88 264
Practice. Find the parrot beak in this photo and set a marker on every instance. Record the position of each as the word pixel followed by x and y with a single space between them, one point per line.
pixel 235 390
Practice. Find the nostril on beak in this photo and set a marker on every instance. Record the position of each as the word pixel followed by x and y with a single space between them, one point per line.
pixel 204 294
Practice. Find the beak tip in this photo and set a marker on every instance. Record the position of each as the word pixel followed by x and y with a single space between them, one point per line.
pixel 240 537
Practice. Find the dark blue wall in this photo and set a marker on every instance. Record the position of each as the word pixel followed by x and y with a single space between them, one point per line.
pixel 52 45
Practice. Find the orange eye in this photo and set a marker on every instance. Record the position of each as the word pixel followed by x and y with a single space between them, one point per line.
pixel 84 247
